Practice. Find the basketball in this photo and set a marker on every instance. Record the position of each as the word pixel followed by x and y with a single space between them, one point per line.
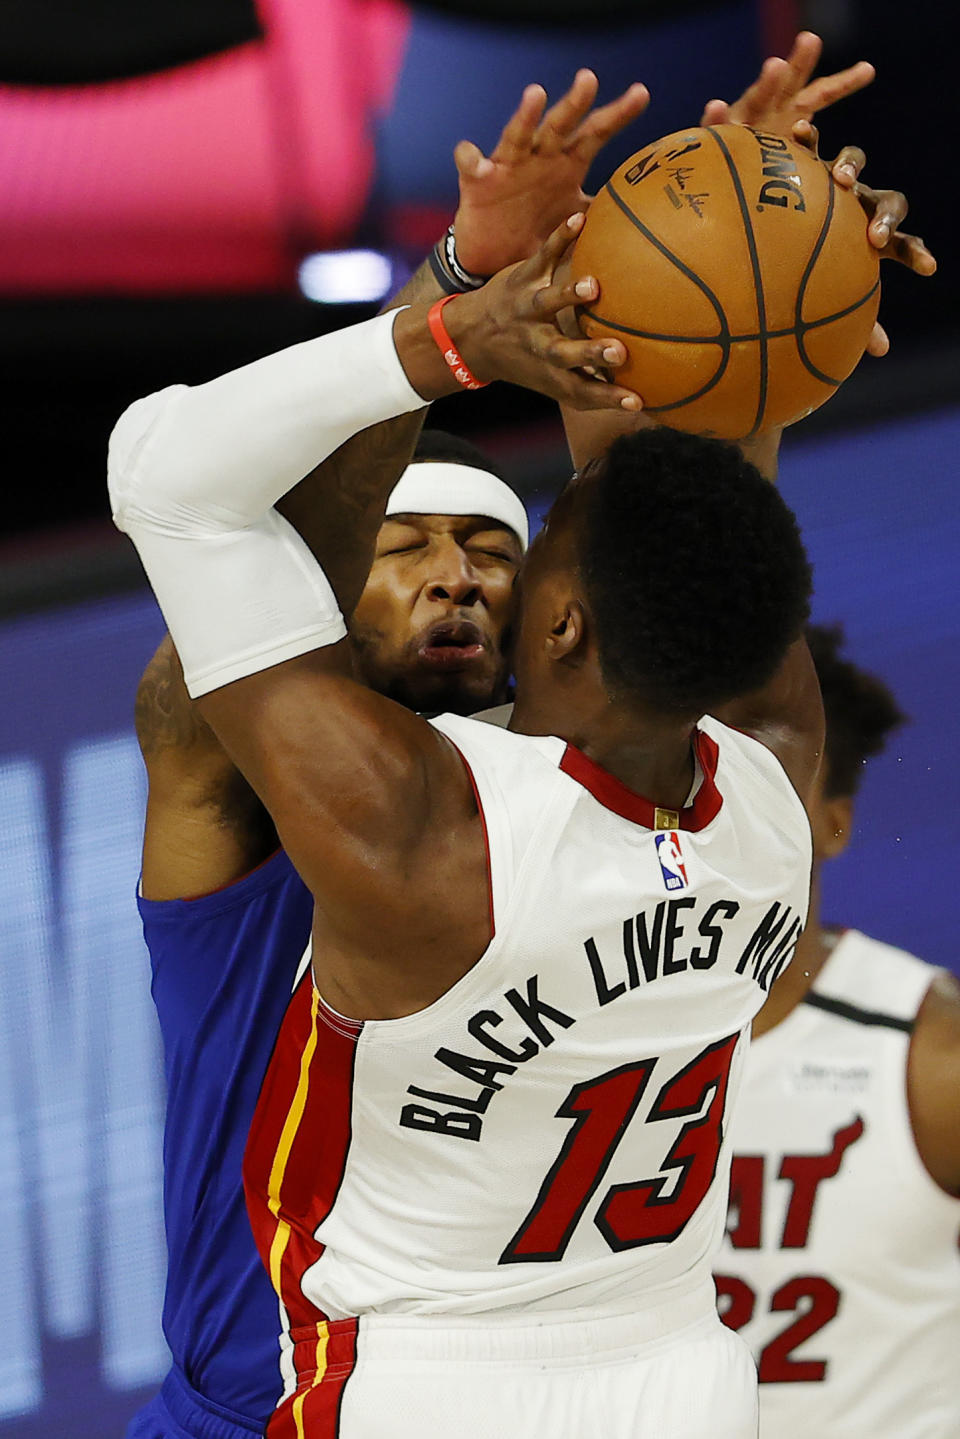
pixel 737 273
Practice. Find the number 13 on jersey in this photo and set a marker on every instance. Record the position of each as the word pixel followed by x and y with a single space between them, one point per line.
pixel 647 1211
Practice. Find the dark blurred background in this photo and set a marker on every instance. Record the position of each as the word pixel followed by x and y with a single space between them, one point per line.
pixel 166 169
pixel 168 166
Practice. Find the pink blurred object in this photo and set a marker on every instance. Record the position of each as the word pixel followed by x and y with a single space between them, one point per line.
pixel 214 176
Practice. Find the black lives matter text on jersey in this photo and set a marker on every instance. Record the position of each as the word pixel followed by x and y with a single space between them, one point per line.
pixel 678 936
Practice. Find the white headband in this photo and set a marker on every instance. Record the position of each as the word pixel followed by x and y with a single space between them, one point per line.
pixel 432 487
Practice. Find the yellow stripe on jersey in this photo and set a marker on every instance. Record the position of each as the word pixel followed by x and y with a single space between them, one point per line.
pixel 277 1250
pixel 287 1136
pixel 323 1336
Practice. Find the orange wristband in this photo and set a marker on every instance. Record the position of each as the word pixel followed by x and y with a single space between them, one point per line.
pixel 461 372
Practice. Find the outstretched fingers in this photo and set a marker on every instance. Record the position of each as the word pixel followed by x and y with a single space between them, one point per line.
pixel 560 121
pixel 606 121
pixel 798 67
pixel 761 95
pixel 784 92
pixel 828 89
pixel 518 134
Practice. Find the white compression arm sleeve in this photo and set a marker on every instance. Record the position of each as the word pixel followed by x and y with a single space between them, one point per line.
pixel 194 473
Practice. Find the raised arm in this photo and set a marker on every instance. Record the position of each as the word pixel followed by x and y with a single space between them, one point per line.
pixel 205 827
pixel 366 797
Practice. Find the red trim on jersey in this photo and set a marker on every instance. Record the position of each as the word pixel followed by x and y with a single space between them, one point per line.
pixel 614 795
pixel 324 1357
pixel 292 1171
pixel 486 836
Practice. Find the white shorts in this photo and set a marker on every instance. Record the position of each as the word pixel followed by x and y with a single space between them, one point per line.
pixel 610 1378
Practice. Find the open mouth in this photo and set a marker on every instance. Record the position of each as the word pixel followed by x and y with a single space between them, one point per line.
pixel 451 643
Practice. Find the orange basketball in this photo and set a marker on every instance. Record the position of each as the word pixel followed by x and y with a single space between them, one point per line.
pixel 737 273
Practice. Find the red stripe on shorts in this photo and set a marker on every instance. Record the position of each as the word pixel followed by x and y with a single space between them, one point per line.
pixel 297 1150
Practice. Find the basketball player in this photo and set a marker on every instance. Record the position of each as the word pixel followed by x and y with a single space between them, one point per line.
pixel 226 918
pixel 841 1266
pixel 491 1135
pixel 220 832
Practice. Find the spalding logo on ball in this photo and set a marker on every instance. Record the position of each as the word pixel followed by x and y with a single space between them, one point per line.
pixel 738 275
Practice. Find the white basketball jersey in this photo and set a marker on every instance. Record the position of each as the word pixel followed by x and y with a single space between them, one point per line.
pixel 841 1267
pixel 550 1134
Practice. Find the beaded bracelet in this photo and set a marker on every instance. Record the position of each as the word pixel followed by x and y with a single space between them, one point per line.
pixel 448 272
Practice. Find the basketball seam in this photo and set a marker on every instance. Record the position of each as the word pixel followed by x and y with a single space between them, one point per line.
pixel 804 281
pixel 757 279
pixel 800 329
pixel 723 339
pixel 794 330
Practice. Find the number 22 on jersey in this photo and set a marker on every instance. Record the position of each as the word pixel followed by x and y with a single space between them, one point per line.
pixel 812 1298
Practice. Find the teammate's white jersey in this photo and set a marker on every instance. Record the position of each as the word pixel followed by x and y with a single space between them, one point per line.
pixel 841 1267
pixel 548 1134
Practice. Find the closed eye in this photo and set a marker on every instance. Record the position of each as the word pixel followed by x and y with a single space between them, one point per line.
pixel 503 555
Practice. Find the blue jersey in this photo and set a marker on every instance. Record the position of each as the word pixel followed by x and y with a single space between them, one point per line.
pixel 224 967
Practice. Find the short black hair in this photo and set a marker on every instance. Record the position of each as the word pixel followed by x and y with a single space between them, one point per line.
pixel 694 571
pixel 444 448
pixel 860 709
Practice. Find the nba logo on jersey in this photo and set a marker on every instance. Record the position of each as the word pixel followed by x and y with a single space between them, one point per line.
pixel 670 855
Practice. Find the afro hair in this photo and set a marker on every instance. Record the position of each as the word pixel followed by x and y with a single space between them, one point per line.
pixel 694 571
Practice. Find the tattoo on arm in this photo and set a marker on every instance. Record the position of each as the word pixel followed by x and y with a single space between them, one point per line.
pixel 169 725
pixel 164 715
